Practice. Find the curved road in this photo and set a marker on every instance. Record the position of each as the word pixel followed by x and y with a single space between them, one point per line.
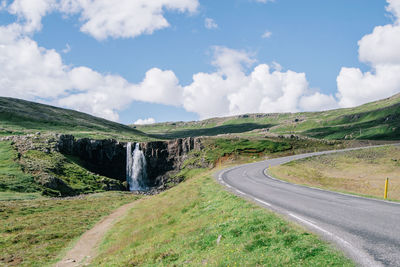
pixel 368 230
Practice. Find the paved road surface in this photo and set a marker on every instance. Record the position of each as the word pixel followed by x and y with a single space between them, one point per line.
pixel 367 230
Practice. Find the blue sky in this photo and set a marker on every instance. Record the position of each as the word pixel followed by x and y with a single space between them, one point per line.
pixel 314 37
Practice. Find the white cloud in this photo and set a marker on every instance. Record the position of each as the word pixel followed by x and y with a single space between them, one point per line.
pixel 380 50
pixel 210 24
pixel 158 86
pixel 266 34
pixel 31 72
pixel 103 18
pixel 31 12
pixel 394 8
pixel 145 121
pixel 231 91
pixel 28 71
pixel 356 88
pixel 236 86
pixel 317 102
pixel 127 19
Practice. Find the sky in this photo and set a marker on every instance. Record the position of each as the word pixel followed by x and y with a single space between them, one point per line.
pixel 146 61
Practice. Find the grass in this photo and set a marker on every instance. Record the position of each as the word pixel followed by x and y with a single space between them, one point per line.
pixel 220 147
pixel 75 179
pixel 12 178
pixel 52 174
pixel 199 223
pixel 378 120
pixel 35 232
pixel 21 117
pixel 9 195
pixel 361 172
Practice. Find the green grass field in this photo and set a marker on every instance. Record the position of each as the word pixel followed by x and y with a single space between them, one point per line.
pixel 199 223
pixel 361 172
pixel 378 120
pixel 19 117
pixel 12 178
pixel 51 174
pixel 35 232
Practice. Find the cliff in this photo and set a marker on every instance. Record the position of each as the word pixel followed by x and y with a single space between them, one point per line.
pixel 108 157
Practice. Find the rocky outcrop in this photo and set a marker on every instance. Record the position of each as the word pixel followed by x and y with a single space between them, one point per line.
pixel 108 157
pixel 104 157
pixel 47 158
pixel 164 157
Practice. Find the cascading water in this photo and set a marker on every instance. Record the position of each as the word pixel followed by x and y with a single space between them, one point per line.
pixel 135 168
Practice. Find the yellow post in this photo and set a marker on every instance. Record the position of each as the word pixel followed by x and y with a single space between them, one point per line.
pixel 386 187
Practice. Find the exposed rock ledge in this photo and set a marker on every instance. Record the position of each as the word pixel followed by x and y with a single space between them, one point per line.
pixel 108 157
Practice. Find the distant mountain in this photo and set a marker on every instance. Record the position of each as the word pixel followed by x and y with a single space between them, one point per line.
pixel 378 120
pixel 20 116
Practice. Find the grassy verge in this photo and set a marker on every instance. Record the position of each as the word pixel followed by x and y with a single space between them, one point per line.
pixel 199 223
pixel 360 172
pixel 34 232
pixel 12 178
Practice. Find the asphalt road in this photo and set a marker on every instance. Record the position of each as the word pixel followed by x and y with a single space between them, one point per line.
pixel 367 230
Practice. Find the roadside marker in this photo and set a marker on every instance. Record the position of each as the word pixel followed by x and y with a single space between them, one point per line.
pixel 386 187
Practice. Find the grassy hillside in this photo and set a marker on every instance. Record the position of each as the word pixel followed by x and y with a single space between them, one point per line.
pixel 34 232
pixel 12 178
pixel 359 172
pixel 20 117
pixel 378 120
pixel 199 223
pixel 49 173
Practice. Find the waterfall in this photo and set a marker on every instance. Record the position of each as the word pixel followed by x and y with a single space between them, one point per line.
pixel 135 168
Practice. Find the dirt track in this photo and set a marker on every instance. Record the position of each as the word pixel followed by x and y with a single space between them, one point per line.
pixel 86 247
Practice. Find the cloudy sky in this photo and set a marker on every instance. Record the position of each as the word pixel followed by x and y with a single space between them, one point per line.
pixel 149 61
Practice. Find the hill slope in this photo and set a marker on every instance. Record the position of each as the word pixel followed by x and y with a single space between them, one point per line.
pixel 378 120
pixel 20 116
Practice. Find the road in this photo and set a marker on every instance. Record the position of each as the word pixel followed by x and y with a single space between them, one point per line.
pixel 368 230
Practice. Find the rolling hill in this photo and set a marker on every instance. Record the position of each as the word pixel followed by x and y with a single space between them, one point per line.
pixel 21 117
pixel 378 120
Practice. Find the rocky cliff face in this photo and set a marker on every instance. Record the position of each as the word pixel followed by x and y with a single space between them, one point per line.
pixel 165 157
pixel 104 157
pixel 108 157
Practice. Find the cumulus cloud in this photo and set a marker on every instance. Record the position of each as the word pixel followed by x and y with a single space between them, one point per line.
pixel 32 72
pixel 380 50
pixel 231 91
pixel 317 102
pixel 103 18
pixel 31 12
pixel 145 121
pixel 394 8
pixel 237 85
pixel 210 24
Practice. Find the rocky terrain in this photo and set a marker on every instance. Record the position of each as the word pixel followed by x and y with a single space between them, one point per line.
pixel 64 166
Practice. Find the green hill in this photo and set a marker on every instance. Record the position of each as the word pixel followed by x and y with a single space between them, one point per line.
pixel 378 120
pixel 21 117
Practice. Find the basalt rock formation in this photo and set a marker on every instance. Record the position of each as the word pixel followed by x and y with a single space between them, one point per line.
pixel 108 157
pixel 166 157
pixel 104 157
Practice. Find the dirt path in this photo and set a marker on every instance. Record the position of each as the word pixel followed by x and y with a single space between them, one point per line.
pixel 86 247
